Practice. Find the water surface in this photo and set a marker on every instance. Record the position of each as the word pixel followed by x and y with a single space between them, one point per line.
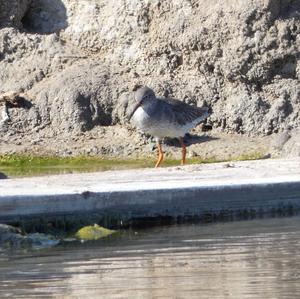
pixel 248 259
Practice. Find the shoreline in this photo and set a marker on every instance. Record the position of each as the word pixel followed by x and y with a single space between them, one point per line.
pixel 18 166
pixel 121 146
pixel 257 188
pixel 123 142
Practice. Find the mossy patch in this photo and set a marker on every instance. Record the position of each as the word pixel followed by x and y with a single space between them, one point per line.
pixel 93 232
pixel 22 165
pixel 252 156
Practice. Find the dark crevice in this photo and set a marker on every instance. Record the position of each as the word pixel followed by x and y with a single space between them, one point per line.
pixel 290 9
pixel 284 67
pixel 45 17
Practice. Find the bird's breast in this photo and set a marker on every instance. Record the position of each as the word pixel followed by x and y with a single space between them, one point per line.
pixel 141 118
pixel 151 125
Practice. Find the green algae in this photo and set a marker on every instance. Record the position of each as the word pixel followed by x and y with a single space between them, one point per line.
pixel 252 156
pixel 24 165
pixel 93 232
pixel 21 165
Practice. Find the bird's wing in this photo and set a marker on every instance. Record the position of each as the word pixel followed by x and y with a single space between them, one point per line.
pixel 183 112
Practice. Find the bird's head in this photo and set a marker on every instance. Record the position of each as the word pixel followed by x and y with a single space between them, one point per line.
pixel 143 96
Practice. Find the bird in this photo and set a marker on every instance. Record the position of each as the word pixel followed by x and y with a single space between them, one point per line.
pixel 165 117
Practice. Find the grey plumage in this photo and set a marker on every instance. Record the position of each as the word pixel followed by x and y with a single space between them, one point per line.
pixel 163 117
pixel 181 112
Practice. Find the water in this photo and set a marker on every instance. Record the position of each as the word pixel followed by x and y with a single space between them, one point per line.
pixel 248 259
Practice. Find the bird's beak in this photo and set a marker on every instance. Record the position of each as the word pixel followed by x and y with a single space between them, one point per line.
pixel 135 108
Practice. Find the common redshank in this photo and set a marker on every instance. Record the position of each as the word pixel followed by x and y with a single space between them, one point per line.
pixel 164 117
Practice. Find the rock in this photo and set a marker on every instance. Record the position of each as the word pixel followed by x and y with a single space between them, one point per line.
pixel 192 154
pixel 3 176
pixel 94 232
pixel 78 98
pixel 38 240
pixel 7 229
pixel 12 238
pixel 291 148
pixel 13 11
pixel 45 16
pixel 14 100
pixel 280 140
pixel 79 67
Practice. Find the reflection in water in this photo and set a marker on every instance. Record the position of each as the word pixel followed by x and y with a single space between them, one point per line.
pixel 251 259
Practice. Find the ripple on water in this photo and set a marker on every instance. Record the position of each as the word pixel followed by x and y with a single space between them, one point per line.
pixel 249 259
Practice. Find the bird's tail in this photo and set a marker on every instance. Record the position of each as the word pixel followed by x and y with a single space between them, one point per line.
pixel 205 112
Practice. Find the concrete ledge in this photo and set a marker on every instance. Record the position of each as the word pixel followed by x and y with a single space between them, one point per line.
pixel 253 187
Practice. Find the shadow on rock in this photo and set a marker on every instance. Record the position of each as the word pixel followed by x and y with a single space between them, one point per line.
pixel 189 139
pixel 19 102
pixel 3 176
pixel 45 17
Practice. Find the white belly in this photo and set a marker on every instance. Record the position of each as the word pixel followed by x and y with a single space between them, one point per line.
pixel 158 128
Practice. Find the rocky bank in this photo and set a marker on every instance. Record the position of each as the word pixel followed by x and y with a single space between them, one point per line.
pixel 74 65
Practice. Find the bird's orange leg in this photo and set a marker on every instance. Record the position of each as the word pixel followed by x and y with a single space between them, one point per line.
pixel 183 150
pixel 160 155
